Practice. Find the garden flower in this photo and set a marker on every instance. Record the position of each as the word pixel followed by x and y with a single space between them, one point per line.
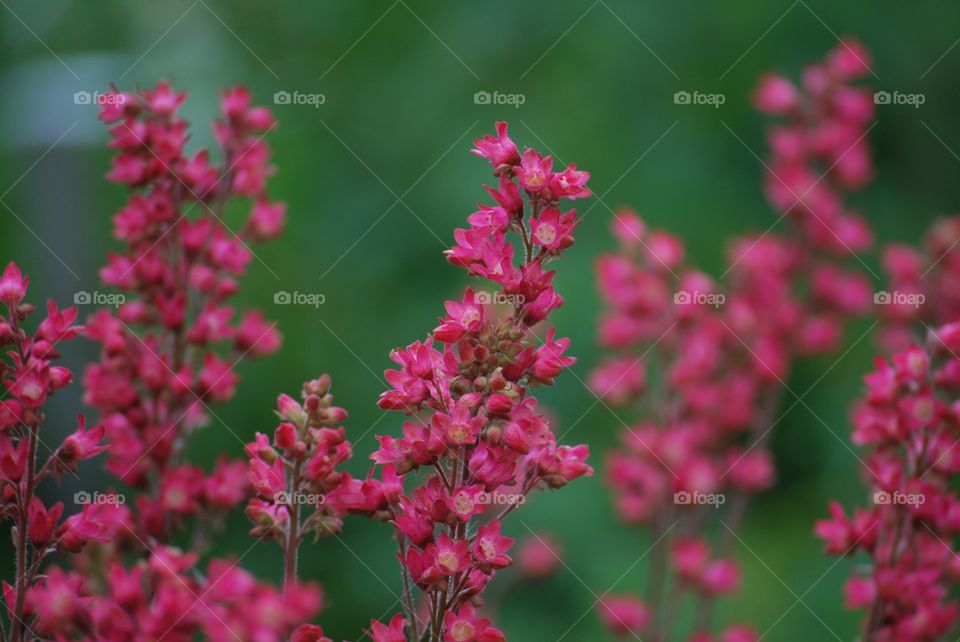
pixel 905 533
pixel 474 425
pixel 725 346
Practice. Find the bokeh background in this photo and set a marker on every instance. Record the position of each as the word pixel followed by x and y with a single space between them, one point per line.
pixel 378 176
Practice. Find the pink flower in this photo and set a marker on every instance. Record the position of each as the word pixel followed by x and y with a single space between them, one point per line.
pixel 849 59
pixel 628 228
pixel 42 522
pixel 451 556
pixel 461 426
pixel 389 633
pixel 548 360
pixel 499 149
pixel 267 480
pixel 570 183
pixel 10 413
pixel 534 172
pixel 859 592
pixel 720 577
pixel 490 547
pixel 81 445
pixel 624 615
pixel 689 556
pixel 13 285
pixel 267 219
pixel 551 229
pixel 57 600
pixel 564 464
pixel 776 95
pixel 464 317
pixel 465 625
pixel 538 556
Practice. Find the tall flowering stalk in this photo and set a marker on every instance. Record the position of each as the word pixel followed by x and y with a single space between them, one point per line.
pixel 168 354
pixel 722 350
pixel 30 376
pixel 908 423
pixel 169 351
pixel 476 445
pixel 295 473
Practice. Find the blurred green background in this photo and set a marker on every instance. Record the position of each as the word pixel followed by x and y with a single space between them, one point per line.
pixel 378 176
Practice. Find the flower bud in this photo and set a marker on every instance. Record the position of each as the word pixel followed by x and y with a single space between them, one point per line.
pixel 290 410
pixel 286 435
pixel 499 404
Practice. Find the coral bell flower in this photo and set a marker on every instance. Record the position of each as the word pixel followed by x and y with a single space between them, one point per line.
pixel 388 633
pixel 460 426
pixel 570 183
pixel 462 317
pixel 499 149
pixel 551 229
pixel 624 615
pixel 81 445
pixel 465 626
pixel 534 172
pixel 13 285
pixel 490 547
pixel 452 556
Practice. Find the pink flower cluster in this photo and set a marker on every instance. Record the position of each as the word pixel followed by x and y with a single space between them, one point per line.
pixel 476 444
pixel 165 597
pixel 169 350
pixel 922 288
pixel 29 375
pixel 724 348
pixel 908 423
pixel 820 151
pixel 698 439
